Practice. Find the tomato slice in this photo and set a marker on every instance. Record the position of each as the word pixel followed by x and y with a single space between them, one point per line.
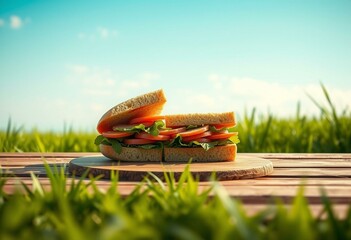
pixel 192 132
pixel 145 135
pixel 201 135
pixel 172 131
pixel 202 140
pixel 222 135
pixel 129 126
pixel 137 141
pixel 146 119
pixel 116 134
pixel 222 125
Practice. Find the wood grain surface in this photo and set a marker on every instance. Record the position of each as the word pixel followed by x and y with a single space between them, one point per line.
pixel 243 167
pixel 331 172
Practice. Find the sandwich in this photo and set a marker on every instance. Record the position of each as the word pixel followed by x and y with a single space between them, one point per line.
pixel 135 130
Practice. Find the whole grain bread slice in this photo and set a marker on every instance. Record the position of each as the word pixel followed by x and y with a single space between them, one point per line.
pixel 176 120
pixel 143 105
pixel 198 154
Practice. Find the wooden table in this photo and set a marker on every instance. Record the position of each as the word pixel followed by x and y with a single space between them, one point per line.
pixel 329 171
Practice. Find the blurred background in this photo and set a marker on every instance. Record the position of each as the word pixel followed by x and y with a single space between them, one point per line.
pixel 67 62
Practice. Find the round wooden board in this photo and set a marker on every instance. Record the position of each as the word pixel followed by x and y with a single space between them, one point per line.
pixel 243 167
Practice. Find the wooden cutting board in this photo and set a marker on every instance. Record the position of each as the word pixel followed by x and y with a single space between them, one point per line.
pixel 243 167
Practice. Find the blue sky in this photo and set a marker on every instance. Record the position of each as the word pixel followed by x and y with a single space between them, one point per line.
pixel 69 61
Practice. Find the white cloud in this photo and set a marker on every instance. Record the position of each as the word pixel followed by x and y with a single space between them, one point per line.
pixel 225 93
pixel 282 99
pixel 102 88
pixel 16 22
pixel 216 81
pixel 103 81
pixel 149 76
pixel 102 33
pixel 92 80
pixel 79 69
pixel 105 33
pixel 97 107
pixel 139 84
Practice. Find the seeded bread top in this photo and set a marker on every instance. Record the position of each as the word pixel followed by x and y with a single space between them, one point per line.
pixel 199 119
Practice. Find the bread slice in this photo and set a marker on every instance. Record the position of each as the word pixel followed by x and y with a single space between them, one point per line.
pixel 144 105
pixel 199 119
pixel 132 154
pixel 216 154
pixel 198 154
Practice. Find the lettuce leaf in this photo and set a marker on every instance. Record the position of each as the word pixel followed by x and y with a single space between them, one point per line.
pixel 206 146
pixel 177 142
pixel 230 129
pixel 117 146
pixel 234 139
pixel 154 129
pixel 115 143
pixel 150 146
pixel 189 127
pixel 136 129
pixel 101 140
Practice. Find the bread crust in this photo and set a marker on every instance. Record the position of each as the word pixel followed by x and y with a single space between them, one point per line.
pixel 198 154
pixel 144 105
pixel 176 120
pixel 132 154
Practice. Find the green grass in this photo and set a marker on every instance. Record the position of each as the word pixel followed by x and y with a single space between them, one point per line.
pixel 156 210
pixel 17 139
pixel 329 132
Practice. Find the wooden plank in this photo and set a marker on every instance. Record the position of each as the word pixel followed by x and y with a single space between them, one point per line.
pixel 312 172
pixel 288 161
pixel 21 170
pixel 277 163
pixel 247 194
pixel 279 156
pixel 339 210
pixel 46 154
pixel 252 203
pixel 31 160
pixel 340 206
pixel 266 182
pixel 343 162
pixel 304 156
pixel 277 172
pixel 308 163
pixel 239 187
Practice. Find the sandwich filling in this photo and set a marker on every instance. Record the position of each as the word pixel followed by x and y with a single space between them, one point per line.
pixel 152 132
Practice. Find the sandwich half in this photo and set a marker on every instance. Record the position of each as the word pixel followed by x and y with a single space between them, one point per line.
pixel 142 135
pixel 208 137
